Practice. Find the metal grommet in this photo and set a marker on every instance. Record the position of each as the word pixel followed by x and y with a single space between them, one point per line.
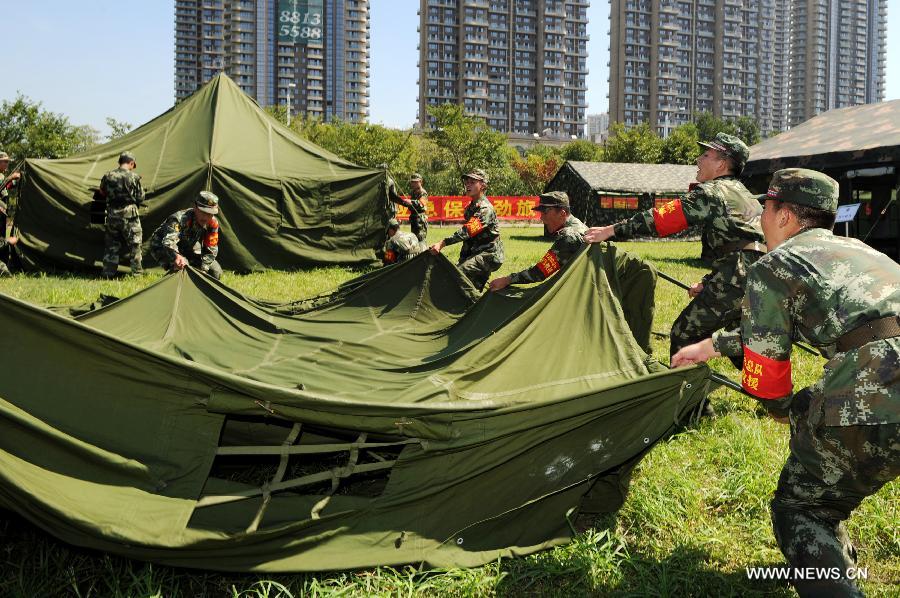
pixel 646 441
pixel 687 385
pixel 459 541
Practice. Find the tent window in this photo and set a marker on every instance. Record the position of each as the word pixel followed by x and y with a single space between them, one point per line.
pixel 307 462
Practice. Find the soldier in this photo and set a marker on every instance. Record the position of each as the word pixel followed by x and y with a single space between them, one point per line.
pixel 568 237
pixel 844 297
pixel 417 206
pixel 729 217
pixel 190 237
pixel 6 183
pixel 400 246
pixel 482 250
pixel 123 193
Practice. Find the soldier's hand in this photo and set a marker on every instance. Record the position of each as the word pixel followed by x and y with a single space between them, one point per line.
pixel 180 262
pixel 696 353
pixel 598 234
pixel 12 240
pixel 436 248
pixel 695 289
pixel 14 176
pixel 499 283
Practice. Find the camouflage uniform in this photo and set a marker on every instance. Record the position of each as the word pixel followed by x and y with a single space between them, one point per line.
pixel 4 204
pixel 566 243
pixel 482 250
pixel 845 428
pixel 728 215
pixel 180 234
pixel 123 192
pixel 418 213
pixel 401 247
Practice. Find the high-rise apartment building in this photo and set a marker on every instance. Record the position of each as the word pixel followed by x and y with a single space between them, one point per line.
pixel 519 64
pixel 326 76
pixel 672 58
pixel 780 62
pixel 597 127
pixel 836 52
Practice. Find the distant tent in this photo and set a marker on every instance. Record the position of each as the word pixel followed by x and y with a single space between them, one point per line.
pixel 606 192
pixel 858 146
pixel 401 419
pixel 285 201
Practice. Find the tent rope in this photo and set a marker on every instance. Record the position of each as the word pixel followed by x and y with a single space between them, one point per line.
pixel 279 475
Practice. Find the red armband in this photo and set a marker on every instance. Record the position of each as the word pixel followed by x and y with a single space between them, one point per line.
pixel 669 218
pixel 473 226
pixel 390 256
pixel 764 377
pixel 548 264
pixel 212 239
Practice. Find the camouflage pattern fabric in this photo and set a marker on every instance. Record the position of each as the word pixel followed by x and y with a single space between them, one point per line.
pixel 122 187
pixel 726 213
pixel 566 243
pixel 181 235
pixel 123 192
pixel 4 190
pixel 845 438
pixel 401 247
pixel 482 250
pixel 418 214
pixel 123 230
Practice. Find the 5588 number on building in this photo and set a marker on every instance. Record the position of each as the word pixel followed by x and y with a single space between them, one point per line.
pixel 300 21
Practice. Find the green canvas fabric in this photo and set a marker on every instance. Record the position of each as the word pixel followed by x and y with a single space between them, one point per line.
pixel 400 419
pixel 285 202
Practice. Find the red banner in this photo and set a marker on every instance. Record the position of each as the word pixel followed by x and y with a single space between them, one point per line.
pixel 618 202
pixel 661 200
pixel 450 208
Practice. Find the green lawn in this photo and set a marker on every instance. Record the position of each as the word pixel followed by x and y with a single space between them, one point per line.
pixel 696 516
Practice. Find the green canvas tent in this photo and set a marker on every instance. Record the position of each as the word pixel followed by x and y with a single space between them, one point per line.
pixel 284 201
pixel 396 420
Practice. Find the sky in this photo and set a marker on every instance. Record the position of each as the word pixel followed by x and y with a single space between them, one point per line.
pixel 94 59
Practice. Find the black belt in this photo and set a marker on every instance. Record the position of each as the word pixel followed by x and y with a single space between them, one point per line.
pixel 876 330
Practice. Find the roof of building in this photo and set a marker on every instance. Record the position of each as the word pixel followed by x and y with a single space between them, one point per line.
pixel 635 178
pixel 867 134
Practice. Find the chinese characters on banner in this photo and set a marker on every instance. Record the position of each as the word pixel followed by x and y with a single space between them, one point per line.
pixel 621 202
pixel 450 208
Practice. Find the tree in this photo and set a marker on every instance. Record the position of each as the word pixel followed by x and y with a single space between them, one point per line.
pixel 638 144
pixel 117 128
pixel 744 128
pixel 27 130
pixel 466 142
pixel 680 147
pixel 582 151
pixel 535 171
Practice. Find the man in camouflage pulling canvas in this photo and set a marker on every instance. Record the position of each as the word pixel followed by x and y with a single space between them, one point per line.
pixel 482 250
pixel 190 237
pixel 568 237
pixel 417 205
pixel 844 297
pixel 400 246
pixel 7 182
pixel 728 215
pixel 121 188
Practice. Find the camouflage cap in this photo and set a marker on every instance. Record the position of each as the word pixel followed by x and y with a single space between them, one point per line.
pixel 477 174
pixel 804 187
pixel 125 157
pixel 731 146
pixel 207 202
pixel 415 177
pixel 4 157
pixel 393 223
pixel 552 199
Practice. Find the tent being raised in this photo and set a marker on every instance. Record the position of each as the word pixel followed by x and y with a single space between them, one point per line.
pixel 396 421
pixel 285 202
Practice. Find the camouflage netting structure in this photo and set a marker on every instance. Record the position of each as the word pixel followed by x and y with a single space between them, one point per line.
pixel 588 182
pixel 399 419
pixel 284 201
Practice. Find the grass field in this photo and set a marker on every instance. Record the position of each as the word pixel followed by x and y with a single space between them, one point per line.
pixel 696 516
